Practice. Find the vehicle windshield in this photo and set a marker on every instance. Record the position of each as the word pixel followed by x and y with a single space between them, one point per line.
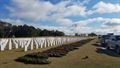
pixel 117 37
pixel 106 36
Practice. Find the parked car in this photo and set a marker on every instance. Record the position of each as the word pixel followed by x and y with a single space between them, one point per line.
pixel 114 43
pixel 111 42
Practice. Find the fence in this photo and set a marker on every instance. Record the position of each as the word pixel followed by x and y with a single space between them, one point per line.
pixel 38 42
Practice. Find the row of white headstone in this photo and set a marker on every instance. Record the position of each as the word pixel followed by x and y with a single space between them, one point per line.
pixel 31 43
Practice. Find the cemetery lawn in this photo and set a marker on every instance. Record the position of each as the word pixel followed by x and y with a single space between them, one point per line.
pixel 73 59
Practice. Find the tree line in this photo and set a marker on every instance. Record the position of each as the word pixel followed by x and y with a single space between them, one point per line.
pixel 8 30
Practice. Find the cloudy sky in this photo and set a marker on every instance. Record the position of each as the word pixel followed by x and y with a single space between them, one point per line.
pixel 70 16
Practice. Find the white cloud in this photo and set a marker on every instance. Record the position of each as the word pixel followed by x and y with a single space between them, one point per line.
pixel 75 10
pixel 64 22
pixel 32 9
pixel 98 30
pixel 72 10
pixel 108 25
pixel 108 29
pixel 106 21
pixel 82 29
pixel 102 7
pixel 35 9
pixel 38 10
pixel 78 2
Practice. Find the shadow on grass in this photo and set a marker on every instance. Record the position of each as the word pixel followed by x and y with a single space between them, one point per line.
pixel 96 44
pixel 5 62
pixel 19 50
pixel 107 52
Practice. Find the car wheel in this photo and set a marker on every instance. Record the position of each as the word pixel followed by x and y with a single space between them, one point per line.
pixel 108 48
pixel 118 50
